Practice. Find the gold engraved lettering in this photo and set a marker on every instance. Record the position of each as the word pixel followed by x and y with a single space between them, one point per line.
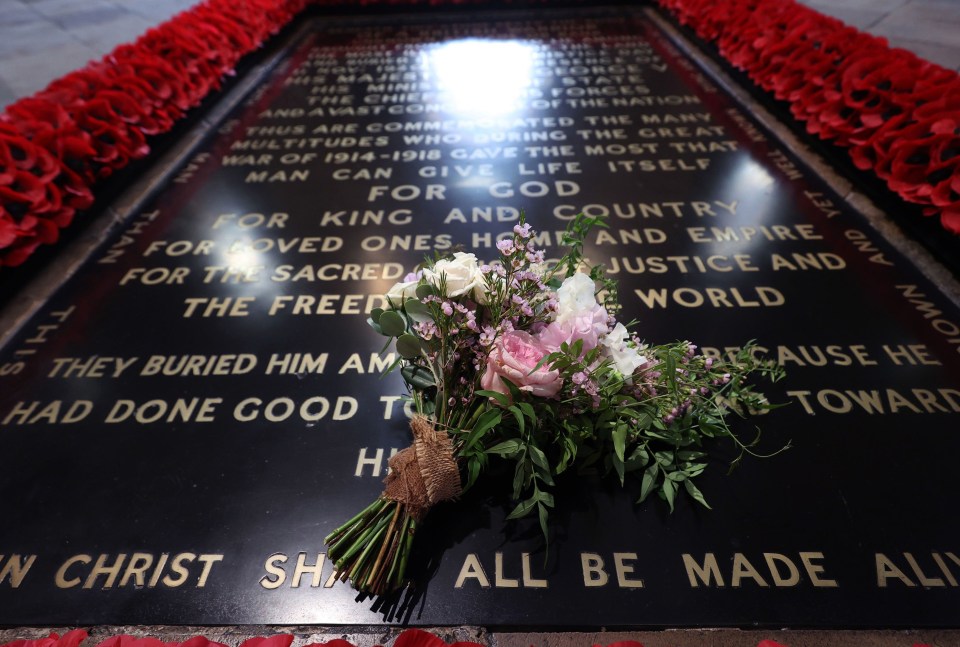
pixel 472 569
pixel 16 569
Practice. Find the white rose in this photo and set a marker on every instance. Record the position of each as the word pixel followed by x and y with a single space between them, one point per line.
pixel 625 358
pixel 576 297
pixel 462 277
pixel 400 292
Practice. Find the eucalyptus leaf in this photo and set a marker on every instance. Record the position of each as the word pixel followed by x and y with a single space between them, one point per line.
pixel 417 311
pixel 417 377
pixel 409 345
pixel 392 323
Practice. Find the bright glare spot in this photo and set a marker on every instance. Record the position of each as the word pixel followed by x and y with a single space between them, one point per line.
pixel 754 176
pixel 481 77
pixel 243 261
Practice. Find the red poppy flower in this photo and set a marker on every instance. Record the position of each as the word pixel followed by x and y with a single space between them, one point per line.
pixel 69 639
pixel 279 640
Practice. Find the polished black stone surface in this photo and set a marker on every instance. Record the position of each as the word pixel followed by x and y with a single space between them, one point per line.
pixel 189 416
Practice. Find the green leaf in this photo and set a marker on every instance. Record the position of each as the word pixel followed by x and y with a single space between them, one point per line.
pixel 620 441
pixel 689 456
pixel 417 311
pixel 677 477
pixel 473 471
pixel 519 479
pixel 408 345
pixel 670 368
pixel 417 377
pixel 528 411
pixel 697 495
pixel 507 448
pixel 515 410
pixel 640 454
pixel 486 422
pixel 392 324
pixel 619 467
pixel 539 458
pixel 649 482
pixel 669 490
pixel 375 315
pixel 542 510
pixel 664 458
pixel 523 508
pixel 502 399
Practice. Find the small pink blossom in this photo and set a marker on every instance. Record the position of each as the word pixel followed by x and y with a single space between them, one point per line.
pixel 522 230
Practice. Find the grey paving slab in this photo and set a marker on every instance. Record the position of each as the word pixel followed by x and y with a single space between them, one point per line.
pixel 861 18
pixel 939 53
pixel 7 94
pixel 104 36
pixel 53 8
pixel 883 6
pixel 16 12
pixel 33 37
pixel 32 72
pixel 929 22
pixel 158 12
pixel 92 16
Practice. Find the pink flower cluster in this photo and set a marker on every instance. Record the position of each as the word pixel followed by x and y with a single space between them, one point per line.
pixel 517 355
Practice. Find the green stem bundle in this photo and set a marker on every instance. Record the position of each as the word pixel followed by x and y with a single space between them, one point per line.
pixel 371 550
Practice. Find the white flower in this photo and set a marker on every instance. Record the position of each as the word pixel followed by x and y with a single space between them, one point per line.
pixel 625 358
pixel 400 292
pixel 576 297
pixel 462 277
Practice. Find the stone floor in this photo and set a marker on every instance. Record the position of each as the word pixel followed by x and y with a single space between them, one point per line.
pixel 41 40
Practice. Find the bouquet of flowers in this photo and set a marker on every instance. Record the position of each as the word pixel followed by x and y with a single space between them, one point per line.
pixel 525 361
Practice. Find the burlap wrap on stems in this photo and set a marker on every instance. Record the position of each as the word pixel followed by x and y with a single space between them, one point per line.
pixel 425 473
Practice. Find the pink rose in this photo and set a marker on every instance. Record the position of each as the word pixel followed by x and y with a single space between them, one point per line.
pixel 514 356
pixel 588 325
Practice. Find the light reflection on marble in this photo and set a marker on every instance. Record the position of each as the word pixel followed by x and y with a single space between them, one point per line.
pixel 480 77
pixel 751 179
